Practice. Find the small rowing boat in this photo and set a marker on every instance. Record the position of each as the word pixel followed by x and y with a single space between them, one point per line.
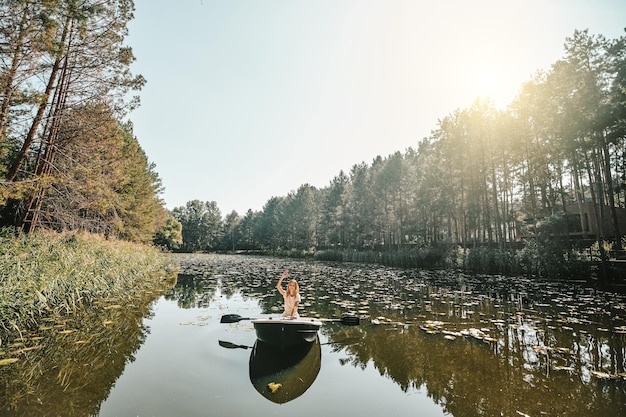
pixel 284 332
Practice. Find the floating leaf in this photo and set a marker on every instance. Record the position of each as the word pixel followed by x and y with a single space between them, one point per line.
pixel 273 386
pixel 8 361
pixel 24 350
pixel 108 322
pixel 68 331
pixel 601 375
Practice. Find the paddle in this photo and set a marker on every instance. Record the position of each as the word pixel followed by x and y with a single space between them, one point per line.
pixel 233 318
pixel 229 345
pixel 347 320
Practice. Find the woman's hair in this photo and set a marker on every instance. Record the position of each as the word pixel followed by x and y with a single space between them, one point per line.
pixel 296 290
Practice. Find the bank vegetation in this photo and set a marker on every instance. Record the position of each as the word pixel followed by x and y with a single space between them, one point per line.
pixel 48 276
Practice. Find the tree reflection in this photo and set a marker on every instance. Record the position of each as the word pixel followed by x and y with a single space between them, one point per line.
pixel 68 366
pixel 479 345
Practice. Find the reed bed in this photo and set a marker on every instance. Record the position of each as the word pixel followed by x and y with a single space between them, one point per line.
pixel 50 275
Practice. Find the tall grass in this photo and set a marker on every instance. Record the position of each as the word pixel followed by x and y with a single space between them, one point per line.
pixel 50 275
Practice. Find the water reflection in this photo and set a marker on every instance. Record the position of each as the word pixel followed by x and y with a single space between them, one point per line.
pixel 283 375
pixel 68 366
pixel 479 345
pixel 476 345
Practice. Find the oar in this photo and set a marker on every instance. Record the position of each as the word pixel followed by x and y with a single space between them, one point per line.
pixel 347 320
pixel 229 345
pixel 233 318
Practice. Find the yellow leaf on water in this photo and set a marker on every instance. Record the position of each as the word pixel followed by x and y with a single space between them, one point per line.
pixel 81 342
pixel 24 350
pixel 273 386
pixel 8 361
pixel 108 322
pixel 601 375
pixel 66 331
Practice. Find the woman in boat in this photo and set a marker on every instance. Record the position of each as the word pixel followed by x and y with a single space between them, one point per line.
pixel 291 296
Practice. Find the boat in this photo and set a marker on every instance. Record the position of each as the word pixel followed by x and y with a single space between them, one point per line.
pixel 285 333
pixel 283 375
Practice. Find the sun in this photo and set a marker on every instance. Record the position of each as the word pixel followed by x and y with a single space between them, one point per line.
pixel 486 79
pixel 487 82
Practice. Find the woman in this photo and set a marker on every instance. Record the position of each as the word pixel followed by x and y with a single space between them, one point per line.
pixel 291 296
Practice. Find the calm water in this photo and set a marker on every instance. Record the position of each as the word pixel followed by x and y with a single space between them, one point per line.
pixel 429 344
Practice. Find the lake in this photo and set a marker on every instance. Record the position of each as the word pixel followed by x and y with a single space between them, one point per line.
pixel 430 343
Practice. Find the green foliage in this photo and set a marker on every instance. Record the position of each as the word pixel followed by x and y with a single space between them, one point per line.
pixel 67 160
pixel 108 185
pixel 53 275
pixel 170 235
pixel 201 226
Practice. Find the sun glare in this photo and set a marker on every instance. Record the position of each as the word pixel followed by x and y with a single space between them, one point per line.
pixel 488 83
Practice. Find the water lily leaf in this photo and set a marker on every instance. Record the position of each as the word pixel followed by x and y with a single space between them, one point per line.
pixel 8 361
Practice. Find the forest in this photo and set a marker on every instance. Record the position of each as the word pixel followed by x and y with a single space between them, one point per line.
pixel 68 157
pixel 535 188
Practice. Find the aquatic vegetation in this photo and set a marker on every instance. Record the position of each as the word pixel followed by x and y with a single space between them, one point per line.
pixel 474 342
pixel 70 303
pixel 50 275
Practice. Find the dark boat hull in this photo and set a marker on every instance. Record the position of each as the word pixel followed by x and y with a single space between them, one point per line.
pixel 294 370
pixel 285 333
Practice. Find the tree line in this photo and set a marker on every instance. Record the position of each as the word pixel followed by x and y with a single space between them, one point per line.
pixel 68 160
pixel 485 177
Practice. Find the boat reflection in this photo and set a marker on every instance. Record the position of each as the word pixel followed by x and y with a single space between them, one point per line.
pixel 283 375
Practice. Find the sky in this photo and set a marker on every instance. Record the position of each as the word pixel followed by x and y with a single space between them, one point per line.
pixel 250 99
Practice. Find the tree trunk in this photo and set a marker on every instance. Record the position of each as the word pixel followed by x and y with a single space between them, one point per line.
pixel 30 137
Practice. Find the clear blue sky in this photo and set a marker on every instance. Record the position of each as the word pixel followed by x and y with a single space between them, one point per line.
pixel 249 99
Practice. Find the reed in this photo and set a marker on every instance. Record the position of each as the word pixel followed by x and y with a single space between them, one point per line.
pixel 49 274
